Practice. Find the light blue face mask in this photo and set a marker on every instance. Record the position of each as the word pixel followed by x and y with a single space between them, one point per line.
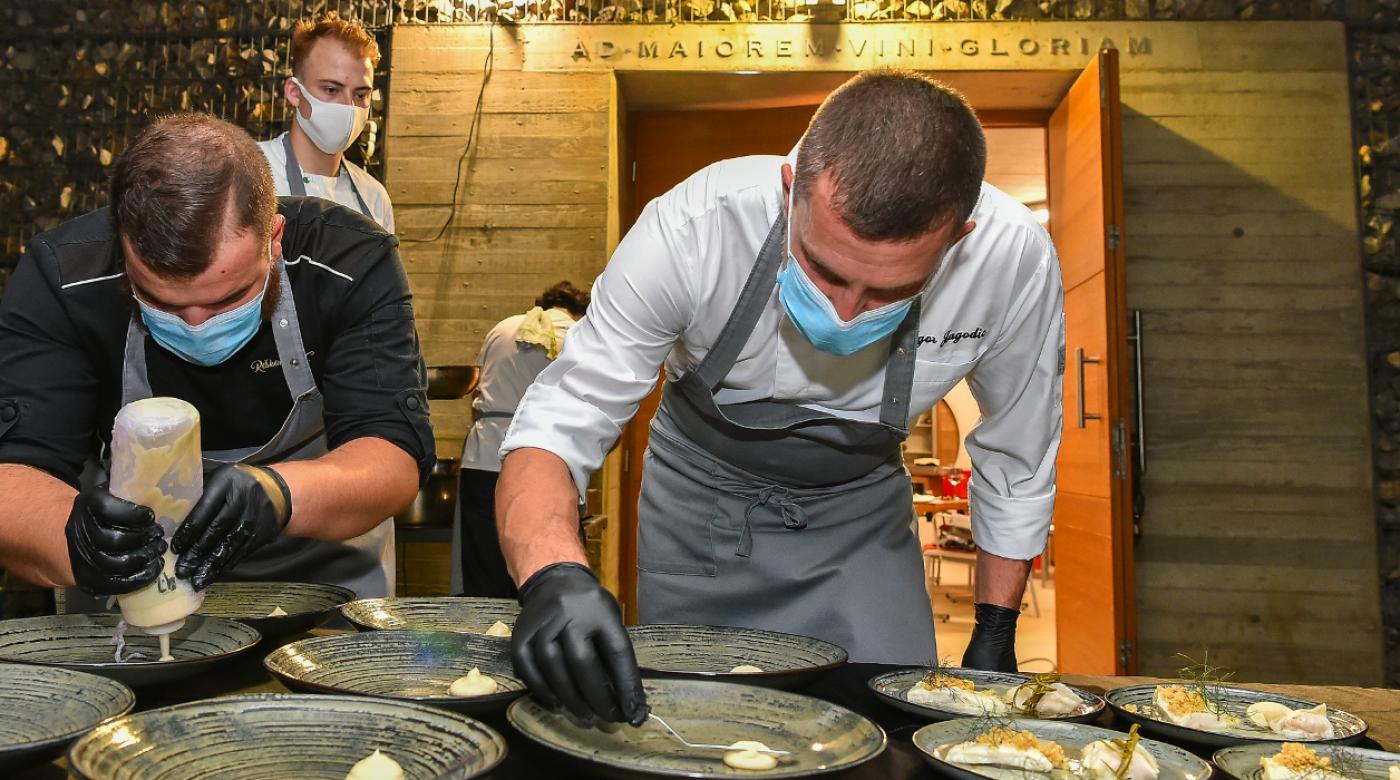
pixel 816 317
pixel 212 341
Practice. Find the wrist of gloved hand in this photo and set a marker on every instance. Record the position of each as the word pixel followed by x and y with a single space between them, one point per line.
pixel 993 643
pixel 570 648
pixel 114 546
pixel 242 509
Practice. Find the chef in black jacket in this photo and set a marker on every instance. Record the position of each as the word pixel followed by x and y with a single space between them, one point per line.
pixel 287 323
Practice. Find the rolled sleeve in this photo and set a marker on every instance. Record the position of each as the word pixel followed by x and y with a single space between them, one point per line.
pixel 1018 385
pixel 611 360
pixel 374 381
pixel 48 384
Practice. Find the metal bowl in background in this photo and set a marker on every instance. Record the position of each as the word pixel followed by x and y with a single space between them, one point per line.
pixel 435 503
pixel 447 382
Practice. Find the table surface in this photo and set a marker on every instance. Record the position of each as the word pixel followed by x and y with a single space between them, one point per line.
pixel 845 686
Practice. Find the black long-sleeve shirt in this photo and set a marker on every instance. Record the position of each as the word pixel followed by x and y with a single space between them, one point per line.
pixel 63 325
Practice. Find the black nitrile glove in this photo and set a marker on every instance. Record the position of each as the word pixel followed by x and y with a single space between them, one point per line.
pixel 993 645
pixel 114 546
pixel 242 509
pixel 570 648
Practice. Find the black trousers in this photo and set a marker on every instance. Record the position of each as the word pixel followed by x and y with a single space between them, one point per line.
pixel 483 566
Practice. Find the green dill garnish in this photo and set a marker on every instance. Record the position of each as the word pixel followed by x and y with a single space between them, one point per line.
pixel 1207 681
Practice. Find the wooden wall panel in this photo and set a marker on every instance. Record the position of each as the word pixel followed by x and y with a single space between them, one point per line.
pixel 1258 542
pixel 532 201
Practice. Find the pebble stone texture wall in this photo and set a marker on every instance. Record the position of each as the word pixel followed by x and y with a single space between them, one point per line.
pixel 78 76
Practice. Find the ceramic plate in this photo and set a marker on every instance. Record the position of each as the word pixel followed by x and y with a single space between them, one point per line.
pixel 410 665
pixel 1242 761
pixel 893 688
pixel 272 736
pixel 449 613
pixel 83 643
pixel 46 708
pixel 1134 704
pixel 934 740
pixel 823 737
pixel 307 605
pixel 712 652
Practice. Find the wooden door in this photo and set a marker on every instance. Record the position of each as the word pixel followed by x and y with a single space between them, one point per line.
pixel 667 147
pixel 1093 539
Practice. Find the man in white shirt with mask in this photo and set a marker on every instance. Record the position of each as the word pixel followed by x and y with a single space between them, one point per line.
pixel 332 80
pixel 806 310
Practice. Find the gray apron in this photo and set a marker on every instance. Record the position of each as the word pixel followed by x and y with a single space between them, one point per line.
pixel 296 186
pixel 770 515
pixel 365 564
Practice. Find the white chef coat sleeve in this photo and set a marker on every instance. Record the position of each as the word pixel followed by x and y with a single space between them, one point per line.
pixel 1018 385
pixel 611 360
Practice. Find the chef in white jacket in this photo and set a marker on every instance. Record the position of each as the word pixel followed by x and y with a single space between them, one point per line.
pixel 332 81
pixel 806 310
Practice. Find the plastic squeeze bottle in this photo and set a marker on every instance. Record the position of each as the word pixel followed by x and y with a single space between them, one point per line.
pixel 156 462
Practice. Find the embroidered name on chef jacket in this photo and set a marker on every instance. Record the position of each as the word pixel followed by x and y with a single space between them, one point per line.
pixel 952 337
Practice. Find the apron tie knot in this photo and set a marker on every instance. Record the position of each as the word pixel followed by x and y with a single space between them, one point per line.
pixel 794 518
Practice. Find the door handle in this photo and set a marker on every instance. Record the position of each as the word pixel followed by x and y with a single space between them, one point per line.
pixel 1081 360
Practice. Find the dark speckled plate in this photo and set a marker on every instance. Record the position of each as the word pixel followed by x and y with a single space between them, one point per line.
pixel 1242 761
pixel 1134 704
pixel 285 737
pixel 935 739
pixel 711 652
pixel 823 737
pixel 307 605
pixel 893 689
pixel 46 708
pixel 83 643
pixel 449 613
pixel 414 666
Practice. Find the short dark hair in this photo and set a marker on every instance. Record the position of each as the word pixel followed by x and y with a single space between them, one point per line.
pixel 564 296
pixel 906 154
pixel 180 183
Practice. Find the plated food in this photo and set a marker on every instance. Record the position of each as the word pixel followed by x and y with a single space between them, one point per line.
pixel 946 693
pixel 1296 761
pixel 1222 715
pixel 275 609
pixel 468 673
pixel 1025 748
pixel 493 617
pixel 732 654
pixel 820 737
pixel 261 736
pixel 83 643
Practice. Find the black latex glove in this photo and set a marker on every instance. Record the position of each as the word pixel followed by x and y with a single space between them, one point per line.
pixel 570 648
pixel 993 645
pixel 114 546
pixel 242 508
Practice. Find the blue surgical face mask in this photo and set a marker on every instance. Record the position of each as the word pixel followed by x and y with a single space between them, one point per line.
pixel 210 342
pixel 816 317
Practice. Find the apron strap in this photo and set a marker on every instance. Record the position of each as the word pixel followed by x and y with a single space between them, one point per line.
pixel 296 185
pixel 757 288
pixel 286 331
pixel 136 385
pixel 490 415
pixel 899 371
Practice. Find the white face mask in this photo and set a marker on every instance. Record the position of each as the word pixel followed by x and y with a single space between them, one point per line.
pixel 332 126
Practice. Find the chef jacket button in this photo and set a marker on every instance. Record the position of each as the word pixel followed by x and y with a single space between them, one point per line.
pixel 7 412
pixel 296 362
pixel 411 403
pixel 894 400
pixel 900 351
pixel 282 322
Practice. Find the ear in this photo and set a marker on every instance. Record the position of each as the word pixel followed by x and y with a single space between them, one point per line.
pixel 966 228
pixel 279 224
pixel 788 176
pixel 291 92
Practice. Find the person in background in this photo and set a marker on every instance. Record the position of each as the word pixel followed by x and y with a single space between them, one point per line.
pixel 287 323
pixel 332 80
pixel 514 352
